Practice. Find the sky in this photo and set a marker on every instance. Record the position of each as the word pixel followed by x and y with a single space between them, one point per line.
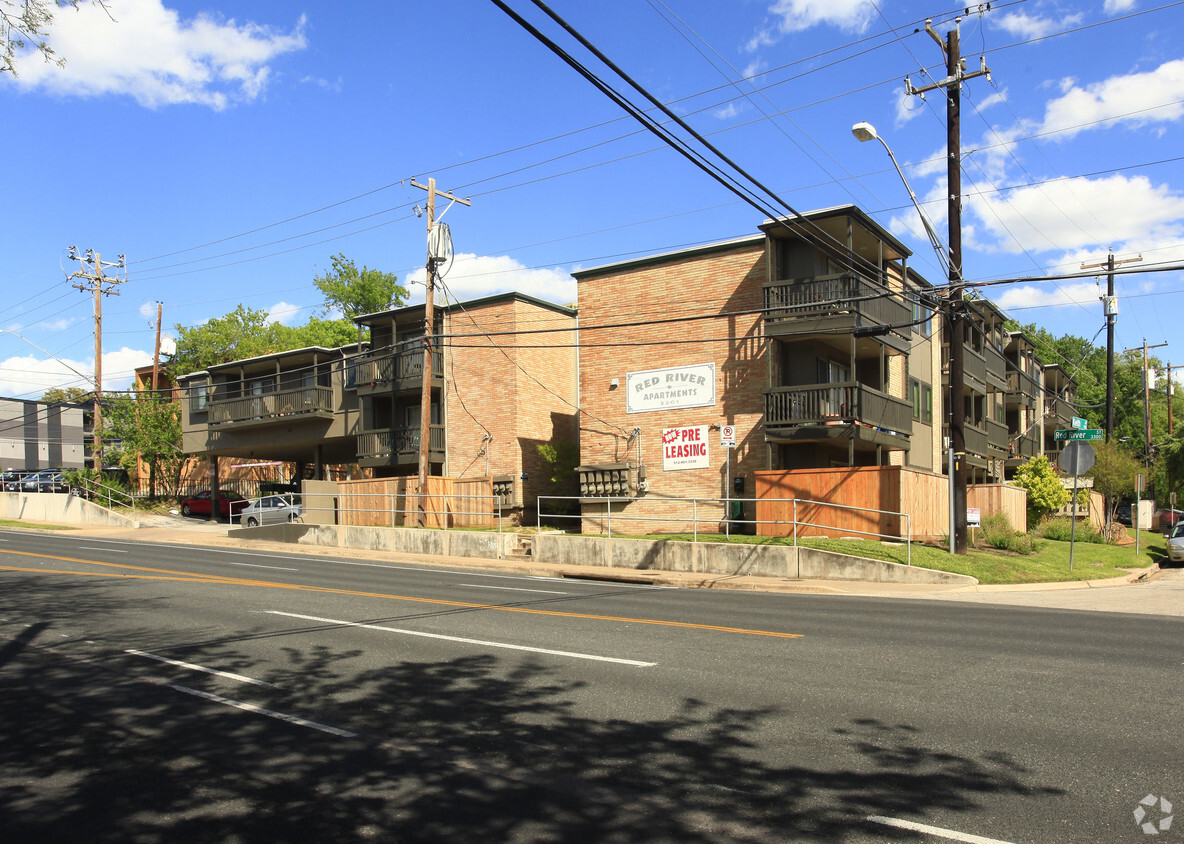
pixel 228 150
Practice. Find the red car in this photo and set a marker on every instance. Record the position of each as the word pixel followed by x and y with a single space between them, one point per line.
pixel 229 504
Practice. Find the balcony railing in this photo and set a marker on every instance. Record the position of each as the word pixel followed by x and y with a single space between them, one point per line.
pixel 1023 447
pixel 997 437
pixel 381 368
pixel 977 440
pixel 1058 409
pixel 996 368
pixel 400 446
pixel 849 401
pixel 850 296
pixel 302 401
pixel 1022 387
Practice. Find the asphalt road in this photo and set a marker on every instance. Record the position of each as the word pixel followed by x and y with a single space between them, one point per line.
pixel 165 693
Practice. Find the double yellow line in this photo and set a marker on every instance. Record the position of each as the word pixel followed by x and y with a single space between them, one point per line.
pixel 146 573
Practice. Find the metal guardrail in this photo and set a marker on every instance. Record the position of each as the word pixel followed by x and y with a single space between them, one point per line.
pixel 101 493
pixel 720 505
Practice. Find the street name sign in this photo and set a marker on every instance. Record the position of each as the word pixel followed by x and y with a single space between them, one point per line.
pixel 1079 424
pixel 1086 434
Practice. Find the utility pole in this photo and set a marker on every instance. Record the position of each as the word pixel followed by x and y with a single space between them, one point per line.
pixel 435 256
pixel 955 75
pixel 91 269
pixel 1110 309
pixel 155 396
pixel 1146 399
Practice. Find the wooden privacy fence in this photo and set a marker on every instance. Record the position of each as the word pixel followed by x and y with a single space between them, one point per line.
pixel 893 489
pixel 395 502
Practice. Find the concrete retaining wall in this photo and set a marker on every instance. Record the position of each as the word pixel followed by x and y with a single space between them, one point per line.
pixel 61 507
pixel 724 559
pixel 438 543
pixel 636 554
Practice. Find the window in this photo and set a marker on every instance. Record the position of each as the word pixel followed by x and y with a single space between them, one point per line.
pixel 915 397
pixel 927 400
pixel 198 397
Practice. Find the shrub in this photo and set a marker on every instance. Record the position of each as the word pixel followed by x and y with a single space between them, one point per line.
pixel 998 533
pixel 1045 492
pixel 1061 529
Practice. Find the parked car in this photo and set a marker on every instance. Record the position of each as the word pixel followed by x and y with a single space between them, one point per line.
pixel 229 504
pixel 272 509
pixel 10 481
pixel 1168 519
pixel 47 480
pixel 1124 512
pixel 1175 546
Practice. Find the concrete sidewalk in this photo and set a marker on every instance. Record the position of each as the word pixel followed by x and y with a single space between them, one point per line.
pixel 1146 591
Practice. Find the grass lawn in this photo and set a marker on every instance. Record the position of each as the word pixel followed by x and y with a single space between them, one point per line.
pixel 1049 564
pixel 15 523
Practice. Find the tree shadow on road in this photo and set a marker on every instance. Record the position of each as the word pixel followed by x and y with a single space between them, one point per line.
pixel 472 748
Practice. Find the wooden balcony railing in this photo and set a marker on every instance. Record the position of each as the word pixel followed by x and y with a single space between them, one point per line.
pixel 849 401
pixel 1059 409
pixel 384 367
pixel 282 404
pixel 400 446
pixel 1023 447
pixel 836 295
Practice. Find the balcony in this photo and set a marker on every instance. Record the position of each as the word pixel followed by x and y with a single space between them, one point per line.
pixel 385 372
pixel 399 447
pixel 997 438
pixel 820 411
pixel 265 408
pixel 996 368
pixel 1022 448
pixel 1060 411
pixel 836 303
pixel 974 369
pixel 1020 390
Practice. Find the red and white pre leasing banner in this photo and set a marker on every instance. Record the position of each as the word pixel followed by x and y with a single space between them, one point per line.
pixel 685 448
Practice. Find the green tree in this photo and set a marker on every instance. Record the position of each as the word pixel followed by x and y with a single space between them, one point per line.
pixel 66 395
pixel 353 292
pixel 25 24
pixel 1114 475
pixel 242 333
pixel 148 427
pixel 329 333
pixel 1046 494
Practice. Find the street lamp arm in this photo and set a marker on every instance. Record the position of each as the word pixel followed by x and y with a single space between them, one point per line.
pixel 866 132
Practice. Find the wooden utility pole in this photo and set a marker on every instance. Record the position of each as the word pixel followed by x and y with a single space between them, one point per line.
pixel 957 314
pixel 1146 400
pixel 1110 309
pixel 155 395
pixel 91 269
pixel 429 328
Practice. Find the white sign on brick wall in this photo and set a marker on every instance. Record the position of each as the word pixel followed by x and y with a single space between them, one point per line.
pixel 685 448
pixel 670 389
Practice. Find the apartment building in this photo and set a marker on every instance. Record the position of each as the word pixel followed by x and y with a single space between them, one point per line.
pixel 984 390
pixel 37 435
pixel 812 341
pixel 503 382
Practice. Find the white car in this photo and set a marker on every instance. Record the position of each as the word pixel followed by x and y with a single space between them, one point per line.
pixel 270 510
pixel 1176 544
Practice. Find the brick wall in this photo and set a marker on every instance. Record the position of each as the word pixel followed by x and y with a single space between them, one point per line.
pixel 719 286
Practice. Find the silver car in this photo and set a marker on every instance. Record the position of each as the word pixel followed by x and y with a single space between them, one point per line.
pixel 270 510
pixel 1176 544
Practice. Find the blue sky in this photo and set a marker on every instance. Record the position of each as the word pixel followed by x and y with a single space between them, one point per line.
pixel 229 149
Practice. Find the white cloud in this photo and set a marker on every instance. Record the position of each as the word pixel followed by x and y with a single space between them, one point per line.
pixel 797 15
pixel 473 276
pixel 1024 25
pixel 1135 99
pixel 1114 210
pixel 1113 6
pixel 57 324
pixel 27 376
pixel 284 313
pixel 150 54
pixel 729 111
pixel 1048 294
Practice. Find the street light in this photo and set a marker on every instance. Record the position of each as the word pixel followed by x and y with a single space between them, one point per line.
pixel 863 132
pixel 956 466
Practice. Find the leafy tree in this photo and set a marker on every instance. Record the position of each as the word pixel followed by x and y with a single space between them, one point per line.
pixel 66 395
pixel 1114 475
pixel 353 292
pixel 1046 494
pixel 242 333
pixel 329 333
pixel 148 427
pixel 25 24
